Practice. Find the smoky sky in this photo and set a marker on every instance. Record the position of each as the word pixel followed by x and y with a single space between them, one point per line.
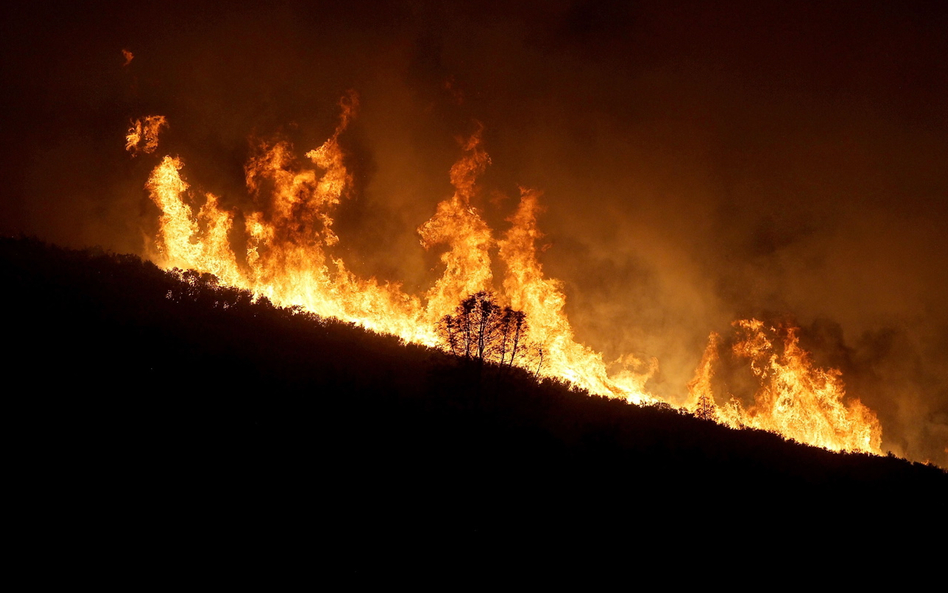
pixel 699 162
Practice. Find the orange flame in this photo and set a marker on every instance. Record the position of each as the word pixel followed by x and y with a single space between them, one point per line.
pixel 143 135
pixel 543 301
pixel 794 398
pixel 290 231
pixel 457 223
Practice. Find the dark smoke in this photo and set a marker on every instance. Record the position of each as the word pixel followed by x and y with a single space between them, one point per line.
pixel 699 163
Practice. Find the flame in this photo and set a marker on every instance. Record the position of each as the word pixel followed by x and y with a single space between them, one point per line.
pixel 286 259
pixel 543 301
pixel 289 237
pixel 795 398
pixel 699 388
pixel 143 135
pixel 457 223
pixel 128 57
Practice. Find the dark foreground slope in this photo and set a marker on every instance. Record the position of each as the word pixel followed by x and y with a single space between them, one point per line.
pixel 154 418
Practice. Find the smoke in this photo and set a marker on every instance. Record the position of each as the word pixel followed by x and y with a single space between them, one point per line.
pixel 697 164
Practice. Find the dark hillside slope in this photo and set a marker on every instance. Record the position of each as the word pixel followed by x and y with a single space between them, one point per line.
pixel 145 410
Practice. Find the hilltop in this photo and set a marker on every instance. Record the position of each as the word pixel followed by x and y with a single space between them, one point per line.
pixel 148 407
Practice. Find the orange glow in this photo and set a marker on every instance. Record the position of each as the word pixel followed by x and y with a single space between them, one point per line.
pixel 287 259
pixel 143 135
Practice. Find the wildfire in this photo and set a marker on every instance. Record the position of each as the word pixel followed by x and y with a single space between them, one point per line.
pixel 143 135
pixel 794 398
pixel 288 240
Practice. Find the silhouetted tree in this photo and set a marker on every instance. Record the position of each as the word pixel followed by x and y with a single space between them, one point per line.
pixel 539 360
pixel 513 329
pixel 483 330
pixel 705 407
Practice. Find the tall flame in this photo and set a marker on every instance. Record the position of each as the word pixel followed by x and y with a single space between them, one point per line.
pixel 457 223
pixel 794 397
pixel 543 301
pixel 289 233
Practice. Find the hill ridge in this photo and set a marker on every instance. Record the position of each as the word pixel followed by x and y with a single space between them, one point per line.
pixel 177 389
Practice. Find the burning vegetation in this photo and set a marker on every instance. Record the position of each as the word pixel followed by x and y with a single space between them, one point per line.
pixel 792 397
pixel 519 320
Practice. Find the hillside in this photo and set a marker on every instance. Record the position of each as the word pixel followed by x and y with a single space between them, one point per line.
pixel 144 408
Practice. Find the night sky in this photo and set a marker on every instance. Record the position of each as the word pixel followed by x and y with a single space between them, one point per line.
pixel 700 162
